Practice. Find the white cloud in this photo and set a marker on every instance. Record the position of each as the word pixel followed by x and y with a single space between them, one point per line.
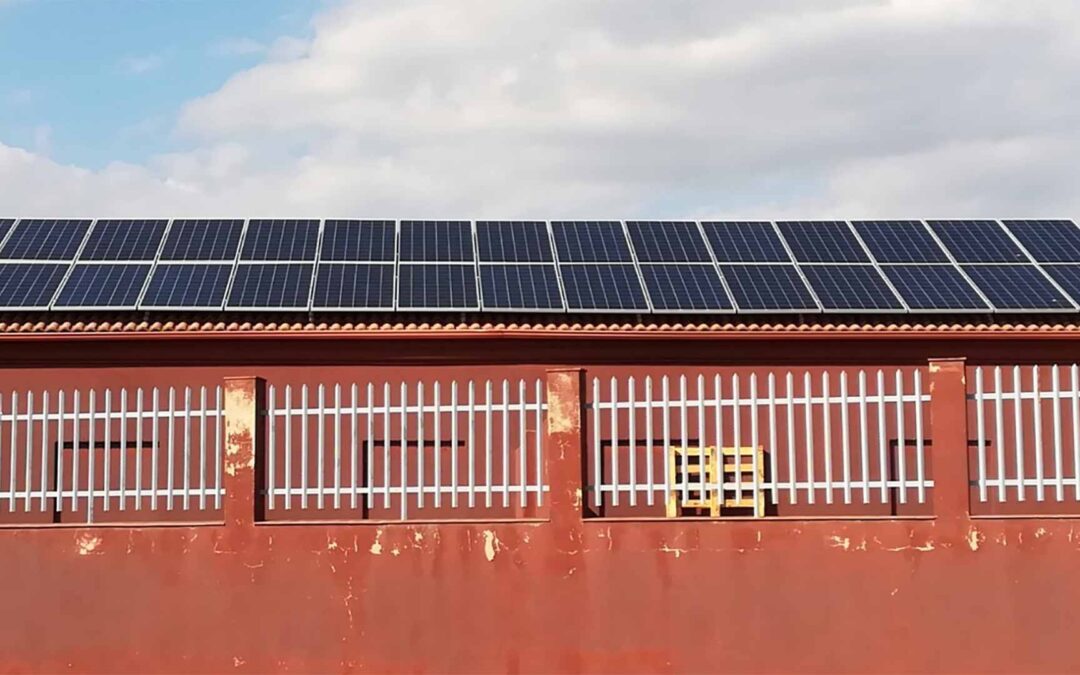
pixel 623 108
pixel 140 65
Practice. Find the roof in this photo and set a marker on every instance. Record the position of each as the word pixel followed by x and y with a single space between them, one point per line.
pixel 118 326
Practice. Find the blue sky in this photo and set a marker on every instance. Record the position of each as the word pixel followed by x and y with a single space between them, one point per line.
pixel 88 82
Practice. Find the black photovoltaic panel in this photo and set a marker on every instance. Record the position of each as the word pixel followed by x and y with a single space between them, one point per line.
pixel 1048 240
pixel 1067 276
pixel 513 241
pixel 666 241
pixel 437 287
pixel 436 241
pixel 103 286
pixel 822 241
pixel 1017 287
pixel 187 286
pixel 745 241
pixel 358 240
pixel 899 241
pixel 520 287
pixel 350 286
pixel 685 287
pixel 30 285
pixel 977 241
pixel 210 240
pixel 603 287
pixel 933 287
pixel 45 240
pixel 590 241
pixel 122 240
pixel 5 225
pixel 281 286
pixel 850 287
pixel 768 287
pixel 294 240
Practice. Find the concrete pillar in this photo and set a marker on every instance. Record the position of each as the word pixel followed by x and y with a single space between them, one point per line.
pixel 949 433
pixel 564 450
pixel 244 397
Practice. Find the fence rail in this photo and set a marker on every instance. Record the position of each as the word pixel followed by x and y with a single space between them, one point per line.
pixel 89 454
pixel 1027 433
pixel 826 436
pixel 374 446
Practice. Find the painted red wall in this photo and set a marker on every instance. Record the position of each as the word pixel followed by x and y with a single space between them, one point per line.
pixel 562 593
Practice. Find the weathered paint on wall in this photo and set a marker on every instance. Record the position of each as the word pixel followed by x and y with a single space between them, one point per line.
pixel 562 594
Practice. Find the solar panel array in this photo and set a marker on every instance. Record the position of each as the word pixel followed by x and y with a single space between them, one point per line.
pixel 837 266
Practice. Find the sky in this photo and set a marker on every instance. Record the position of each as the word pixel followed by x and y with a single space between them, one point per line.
pixel 555 109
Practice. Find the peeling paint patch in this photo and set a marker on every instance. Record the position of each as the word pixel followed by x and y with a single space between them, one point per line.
pixel 376 548
pixel 840 542
pixel 1041 532
pixel 562 410
pixel 974 537
pixel 237 662
pixel 492 545
pixel 418 536
pixel 87 543
pixel 677 552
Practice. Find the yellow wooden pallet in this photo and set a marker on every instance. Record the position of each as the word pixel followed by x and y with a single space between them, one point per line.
pixel 687 464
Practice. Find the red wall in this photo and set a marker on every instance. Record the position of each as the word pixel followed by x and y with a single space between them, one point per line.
pixel 561 593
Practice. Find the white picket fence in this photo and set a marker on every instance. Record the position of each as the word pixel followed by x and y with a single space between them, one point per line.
pixel 113 450
pixel 826 436
pixel 475 445
pixel 1027 432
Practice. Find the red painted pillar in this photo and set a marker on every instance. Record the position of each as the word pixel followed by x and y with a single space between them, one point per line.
pixel 949 433
pixel 243 399
pixel 564 450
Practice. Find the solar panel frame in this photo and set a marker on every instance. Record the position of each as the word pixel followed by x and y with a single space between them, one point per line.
pixel 58 271
pixel 326 268
pixel 74 282
pixel 605 231
pixel 652 273
pixel 165 267
pixel 885 249
pixel 811 241
pixel 979 275
pixel 184 228
pixel 969 241
pixel 487 269
pixel 6 227
pixel 725 251
pixel 1067 278
pixel 471 291
pixel 576 270
pixel 305 271
pixel 485 231
pixel 452 252
pixel 330 252
pixel 123 240
pixel 816 280
pixel 70 253
pixel 1044 246
pixel 736 283
pixel 256 247
pixel 907 287
pixel 682 241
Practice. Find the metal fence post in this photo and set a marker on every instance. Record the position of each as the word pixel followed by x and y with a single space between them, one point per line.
pixel 949 434
pixel 564 448
pixel 244 398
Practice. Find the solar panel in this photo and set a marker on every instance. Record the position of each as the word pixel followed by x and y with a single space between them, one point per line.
pixel 590 241
pixel 45 240
pixel 768 288
pixel 899 241
pixel 187 286
pixel 348 286
pixel 977 241
pixel 202 240
pixel 102 286
pixel 603 287
pixel 124 240
pixel 531 287
pixel 282 240
pixel 280 286
pixel 513 241
pixel 29 285
pixel 358 240
pixel 850 287
pixel 1067 276
pixel 437 287
pixel 933 287
pixel 745 241
pixel 666 241
pixel 1048 240
pixel 1016 287
pixel 822 241
pixel 436 241
pixel 685 287
pixel 5 225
